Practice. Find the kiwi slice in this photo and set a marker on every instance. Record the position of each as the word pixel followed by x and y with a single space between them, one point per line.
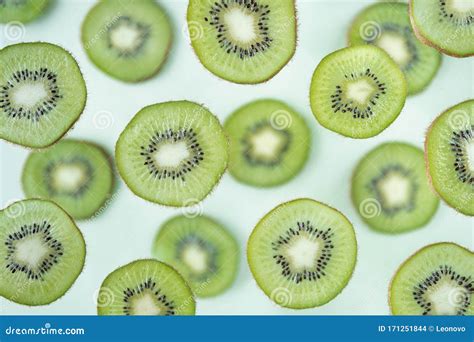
pixel 127 39
pixel 202 250
pixel 390 188
pixel 243 41
pixel 172 153
pixel 42 252
pixel 302 253
pixel 447 25
pixel 269 143
pixel 387 25
pixel 449 155
pixel 436 280
pixel 77 175
pixel 21 10
pixel 146 288
pixel 357 91
pixel 42 93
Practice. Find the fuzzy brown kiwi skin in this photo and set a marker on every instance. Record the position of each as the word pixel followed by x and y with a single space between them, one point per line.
pixel 110 162
pixel 270 76
pixel 284 204
pixel 154 73
pixel 427 164
pixel 71 126
pixel 411 256
pixel 428 42
pixel 83 263
pixel 219 176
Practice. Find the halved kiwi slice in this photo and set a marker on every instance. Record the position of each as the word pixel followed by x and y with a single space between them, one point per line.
pixel 390 188
pixel 302 253
pixel 243 41
pixel 269 143
pixel 77 175
pixel 42 93
pixel 446 25
pixel 21 10
pixel 436 280
pixel 357 91
pixel 387 25
pixel 42 252
pixel 449 154
pixel 127 39
pixel 202 251
pixel 172 153
pixel 145 288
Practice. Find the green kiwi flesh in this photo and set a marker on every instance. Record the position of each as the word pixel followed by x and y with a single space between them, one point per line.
pixel 21 10
pixel 387 25
pixel 390 188
pixel 77 175
pixel 42 93
pixel 42 252
pixel 436 280
pixel 449 155
pixel 447 25
pixel 269 143
pixel 357 91
pixel 172 153
pixel 201 250
pixel 145 288
pixel 243 41
pixel 129 40
pixel 302 253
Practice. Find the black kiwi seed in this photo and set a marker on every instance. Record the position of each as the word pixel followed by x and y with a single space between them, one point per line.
pixel 262 44
pixel 458 140
pixel 446 272
pixel 320 264
pixel 453 17
pixel 410 204
pixel 127 21
pixel 343 105
pixel 254 160
pixel 211 252
pixel 55 250
pixel 88 170
pixel 148 286
pixel 43 74
pixel 186 135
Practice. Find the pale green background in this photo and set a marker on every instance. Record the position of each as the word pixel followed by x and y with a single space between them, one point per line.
pixel 126 229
